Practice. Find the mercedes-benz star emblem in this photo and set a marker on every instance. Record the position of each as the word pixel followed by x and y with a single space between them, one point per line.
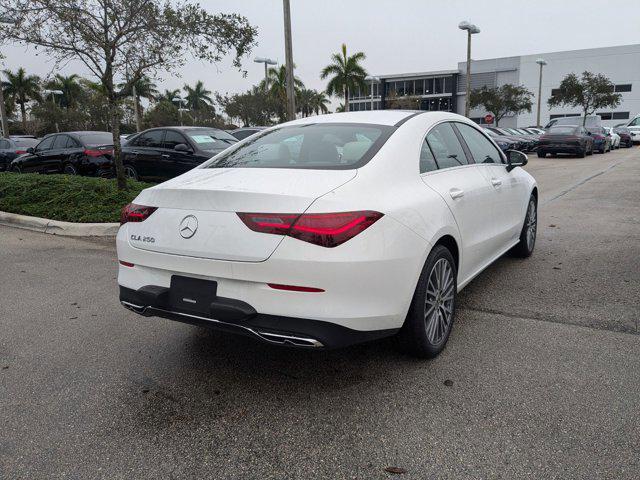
pixel 188 226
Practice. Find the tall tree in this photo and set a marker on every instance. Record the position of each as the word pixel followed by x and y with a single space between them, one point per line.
pixel 500 101
pixel 254 107
pixel 124 40
pixel 143 88
pixel 346 74
pixel 589 92
pixel 277 80
pixel 197 97
pixel 320 103
pixel 21 88
pixel 69 86
pixel 168 95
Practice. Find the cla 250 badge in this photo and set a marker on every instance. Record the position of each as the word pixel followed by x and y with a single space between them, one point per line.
pixel 140 238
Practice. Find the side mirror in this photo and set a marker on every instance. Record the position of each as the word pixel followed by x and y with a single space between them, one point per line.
pixel 588 133
pixel 31 150
pixel 182 147
pixel 515 159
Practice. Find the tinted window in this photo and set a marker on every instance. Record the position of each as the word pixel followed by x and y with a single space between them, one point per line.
pixel 482 150
pixel 173 138
pixel 97 138
pixel 152 139
pixel 242 134
pixel 319 146
pixel 45 144
pixel 25 142
pixel 446 147
pixel 60 142
pixel 211 139
pixel 427 162
pixel 72 143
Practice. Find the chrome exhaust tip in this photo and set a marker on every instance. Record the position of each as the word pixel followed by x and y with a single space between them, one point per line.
pixel 289 340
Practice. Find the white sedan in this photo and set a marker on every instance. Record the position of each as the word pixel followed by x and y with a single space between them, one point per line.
pixel 330 230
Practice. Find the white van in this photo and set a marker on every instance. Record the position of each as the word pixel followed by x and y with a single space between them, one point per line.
pixel 634 128
pixel 592 121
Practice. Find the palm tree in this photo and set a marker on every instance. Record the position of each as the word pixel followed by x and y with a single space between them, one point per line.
pixel 21 88
pixel 277 78
pixel 168 95
pixel 198 97
pixel 70 87
pixel 143 88
pixel 320 102
pixel 304 101
pixel 347 74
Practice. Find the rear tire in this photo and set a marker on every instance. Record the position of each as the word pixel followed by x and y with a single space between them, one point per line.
pixel 69 169
pixel 541 155
pixel 428 324
pixel 131 173
pixel 16 169
pixel 524 248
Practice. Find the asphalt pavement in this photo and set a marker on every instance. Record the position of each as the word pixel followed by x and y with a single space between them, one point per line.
pixel 540 379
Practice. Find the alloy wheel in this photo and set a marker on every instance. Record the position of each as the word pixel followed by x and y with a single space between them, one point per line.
pixel 532 221
pixel 130 173
pixel 438 310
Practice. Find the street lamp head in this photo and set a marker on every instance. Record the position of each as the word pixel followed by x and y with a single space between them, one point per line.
pixel 470 27
pixel 541 61
pixel 268 61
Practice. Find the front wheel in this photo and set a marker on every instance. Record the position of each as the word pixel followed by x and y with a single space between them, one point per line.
pixel 541 155
pixel 16 169
pixel 582 153
pixel 524 248
pixel 426 329
pixel 131 173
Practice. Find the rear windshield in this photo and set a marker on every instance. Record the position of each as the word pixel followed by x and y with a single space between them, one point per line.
pixel 26 142
pixel 211 139
pixel 562 130
pixel 316 146
pixel 97 138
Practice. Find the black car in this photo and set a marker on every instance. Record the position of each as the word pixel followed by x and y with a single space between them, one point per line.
pixel 74 153
pixel 566 139
pixel 13 147
pixel 159 154
pixel 625 136
pixel 244 132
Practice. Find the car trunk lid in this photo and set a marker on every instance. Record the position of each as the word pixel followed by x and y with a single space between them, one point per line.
pixel 197 212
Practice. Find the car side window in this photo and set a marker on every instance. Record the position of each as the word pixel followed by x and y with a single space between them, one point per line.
pixel 427 160
pixel 45 144
pixel 173 138
pixel 446 147
pixel 4 145
pixel 242 134
pixel 71 143
pixel 482 150
pixel 635 123
pixel 60 142
pixel 151 139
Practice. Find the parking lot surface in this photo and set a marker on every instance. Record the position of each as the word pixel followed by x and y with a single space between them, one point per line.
pixel 540 379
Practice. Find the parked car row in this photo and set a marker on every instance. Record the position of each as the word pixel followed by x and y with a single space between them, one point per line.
pixel 156 154
pixel 580 141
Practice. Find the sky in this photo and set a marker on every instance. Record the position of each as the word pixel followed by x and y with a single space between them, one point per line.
pixel 397 36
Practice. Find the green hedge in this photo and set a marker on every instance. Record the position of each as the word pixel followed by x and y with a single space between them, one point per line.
pixel 65 197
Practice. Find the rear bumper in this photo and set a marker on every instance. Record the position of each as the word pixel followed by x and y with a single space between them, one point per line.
pixel 238 317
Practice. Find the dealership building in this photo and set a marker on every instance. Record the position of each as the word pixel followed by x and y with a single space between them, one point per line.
pixel 445 90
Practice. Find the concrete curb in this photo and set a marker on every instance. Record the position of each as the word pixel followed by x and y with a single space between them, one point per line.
pixel 55 227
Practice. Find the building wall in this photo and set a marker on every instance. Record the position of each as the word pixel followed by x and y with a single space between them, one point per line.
pixel 620 64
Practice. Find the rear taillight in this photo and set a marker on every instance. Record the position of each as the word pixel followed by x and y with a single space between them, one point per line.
pixel 324 229
pixel 20 152
pixel 135 213
pixel 97 153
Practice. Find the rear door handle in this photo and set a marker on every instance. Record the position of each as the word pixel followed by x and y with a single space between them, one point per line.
pixel 165 155
pixel 456 193
pixel 495 182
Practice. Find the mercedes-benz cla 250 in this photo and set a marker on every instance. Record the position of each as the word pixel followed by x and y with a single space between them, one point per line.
pixel 330 230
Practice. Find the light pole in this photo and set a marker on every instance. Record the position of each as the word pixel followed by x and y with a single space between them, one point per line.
pixel 373 80
pixel 471 30
pixel 542 62
pixel 288 50
pixel 3 112
pixel 181 101
pixel 267 62
pixel 53 100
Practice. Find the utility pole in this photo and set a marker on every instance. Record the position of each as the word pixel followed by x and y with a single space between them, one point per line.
pixel 288 50
pixel 542 62
pixel 267 62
